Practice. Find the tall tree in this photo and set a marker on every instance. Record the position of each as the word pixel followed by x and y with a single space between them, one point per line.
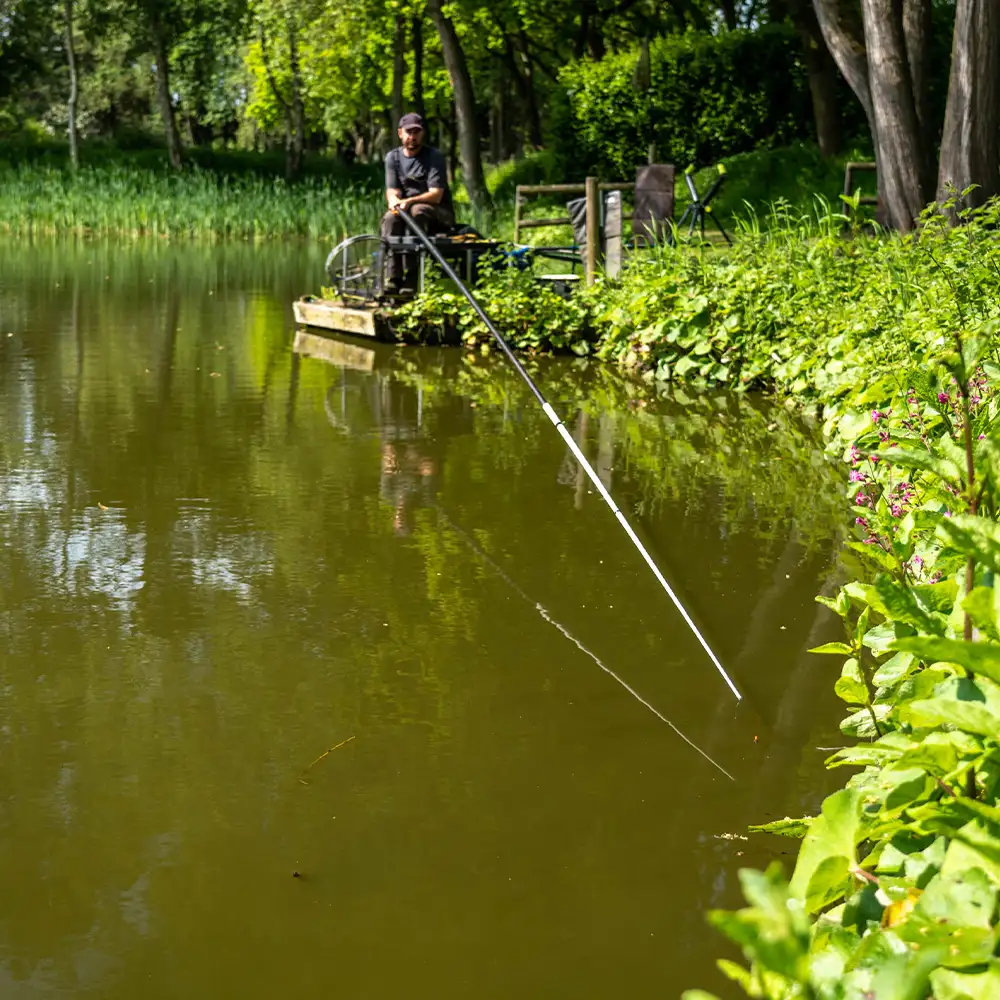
pixel 417 48
pixel 970 144
pixel 822 73
pixel 465 105
pixel 292 104
pixel 74 86
pixel 398 66
pixel 884 59
pixel 153 12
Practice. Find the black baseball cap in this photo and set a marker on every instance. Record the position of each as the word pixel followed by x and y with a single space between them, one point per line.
pixel 412 120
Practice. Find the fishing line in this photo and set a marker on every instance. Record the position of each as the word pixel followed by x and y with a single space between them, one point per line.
pixel 570 443
pixel 573 639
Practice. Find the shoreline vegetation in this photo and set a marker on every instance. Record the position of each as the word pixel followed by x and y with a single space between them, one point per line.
pixel 244 196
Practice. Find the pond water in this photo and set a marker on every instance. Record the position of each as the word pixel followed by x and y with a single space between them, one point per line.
pixel 220 558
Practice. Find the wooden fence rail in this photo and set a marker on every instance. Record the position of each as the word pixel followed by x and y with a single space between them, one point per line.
pixel 563 220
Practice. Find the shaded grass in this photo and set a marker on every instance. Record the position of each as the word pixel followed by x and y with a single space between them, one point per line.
pixel 243 196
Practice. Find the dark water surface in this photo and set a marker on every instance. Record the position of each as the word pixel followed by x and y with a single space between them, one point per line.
pixel 219 558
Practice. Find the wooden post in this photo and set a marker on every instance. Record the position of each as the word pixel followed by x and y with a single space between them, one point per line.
pixel 593 230
pixel 517 214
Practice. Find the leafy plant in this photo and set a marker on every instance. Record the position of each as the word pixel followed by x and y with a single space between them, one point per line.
pixel 895 890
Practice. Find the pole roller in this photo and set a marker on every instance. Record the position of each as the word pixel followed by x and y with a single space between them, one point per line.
pixel 571 444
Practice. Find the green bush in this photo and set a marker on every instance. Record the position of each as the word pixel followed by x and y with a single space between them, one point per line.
pixel 710 96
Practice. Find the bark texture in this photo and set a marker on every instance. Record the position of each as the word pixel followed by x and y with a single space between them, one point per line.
pixel 465 105
pixel 297 130
pixel 822 72
pixel 844 38
pixel 899 150
pixel 874 57
pixel 159 39
pixel 970 144
pixel 74 87
pixel 398 68
pixel 917 27
pixel 417 45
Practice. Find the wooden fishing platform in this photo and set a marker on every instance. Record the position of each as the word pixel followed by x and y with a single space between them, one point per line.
pixel 361 320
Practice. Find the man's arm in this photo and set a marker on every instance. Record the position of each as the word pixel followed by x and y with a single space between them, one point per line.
pixel 432 196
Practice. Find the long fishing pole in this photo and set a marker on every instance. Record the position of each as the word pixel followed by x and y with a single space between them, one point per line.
pixel 570 443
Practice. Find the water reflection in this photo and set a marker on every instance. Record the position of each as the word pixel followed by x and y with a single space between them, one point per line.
pixel 222 557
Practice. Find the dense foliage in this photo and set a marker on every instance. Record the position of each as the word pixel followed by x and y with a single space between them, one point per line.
pixel 699 105
pixel 895 890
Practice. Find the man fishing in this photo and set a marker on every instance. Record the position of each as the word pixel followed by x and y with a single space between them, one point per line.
pixel 416 182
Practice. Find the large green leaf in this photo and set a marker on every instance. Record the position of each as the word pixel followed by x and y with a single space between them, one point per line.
pixel 903 604
pixel 977 657
pixel 787 827
pixel 828 852
pixel 982 605
pixel 949 984
pixel 883 638
pixel 925 461
pixel 772 930
pixel 850 686
pixel 978 537
pixel 956 911
pixel 968 716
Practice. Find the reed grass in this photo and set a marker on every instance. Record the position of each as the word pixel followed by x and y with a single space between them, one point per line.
pixel 131 201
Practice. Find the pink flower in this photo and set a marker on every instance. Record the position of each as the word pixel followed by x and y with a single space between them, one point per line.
pixel 863 521
pixel 943 397
pixel 856 476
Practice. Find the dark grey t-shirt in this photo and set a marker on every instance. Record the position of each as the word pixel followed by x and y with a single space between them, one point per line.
pixel 417 174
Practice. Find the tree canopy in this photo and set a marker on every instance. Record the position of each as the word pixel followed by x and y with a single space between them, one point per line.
pixel 495 80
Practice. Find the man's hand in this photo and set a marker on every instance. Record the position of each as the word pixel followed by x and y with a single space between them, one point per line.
pixel 394 200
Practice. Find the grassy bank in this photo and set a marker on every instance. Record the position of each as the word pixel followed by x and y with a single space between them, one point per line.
pixel 228 195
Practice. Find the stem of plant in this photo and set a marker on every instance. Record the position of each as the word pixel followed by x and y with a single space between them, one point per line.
pixel 970 476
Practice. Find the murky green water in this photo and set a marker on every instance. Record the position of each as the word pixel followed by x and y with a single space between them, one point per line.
pixel 220 558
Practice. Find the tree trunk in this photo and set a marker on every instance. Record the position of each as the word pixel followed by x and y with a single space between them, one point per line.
pixel 465 105
pixel 516 53
pixel 528 94
pixel 845 40
pixel 398 69
pixel 899 151
pixel 74 87
pixel 822 71
pixel 452 143
pixel 417 35
pixel 163 85
pixel 729 14
pixel 917 26
pixel 970 145
pixel 297 132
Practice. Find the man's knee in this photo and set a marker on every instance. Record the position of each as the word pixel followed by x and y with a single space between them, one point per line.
pixel 430 218
pixel 392 224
